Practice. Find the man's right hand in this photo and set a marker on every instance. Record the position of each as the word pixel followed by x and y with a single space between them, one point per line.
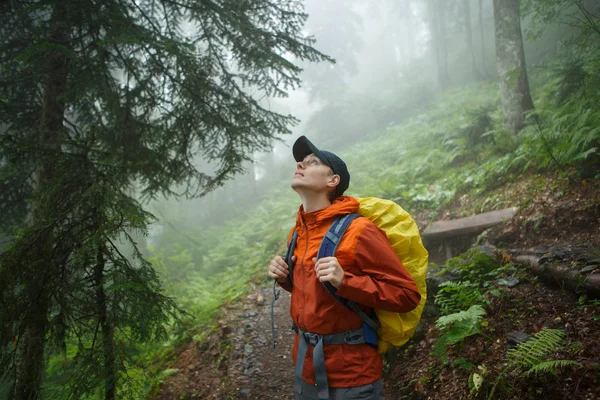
pixel 278 269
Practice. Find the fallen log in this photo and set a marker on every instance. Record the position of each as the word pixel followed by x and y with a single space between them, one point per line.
pixel 563 276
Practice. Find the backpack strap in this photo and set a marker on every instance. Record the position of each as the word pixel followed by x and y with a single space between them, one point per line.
pixel 328 247
pixel 289 254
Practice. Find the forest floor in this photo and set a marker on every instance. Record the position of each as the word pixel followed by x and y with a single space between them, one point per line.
pixel 557 217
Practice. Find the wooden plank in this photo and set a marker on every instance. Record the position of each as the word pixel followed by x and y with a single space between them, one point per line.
pixel 468 225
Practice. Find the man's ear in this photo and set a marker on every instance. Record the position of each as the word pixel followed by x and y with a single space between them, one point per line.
pixel 334 180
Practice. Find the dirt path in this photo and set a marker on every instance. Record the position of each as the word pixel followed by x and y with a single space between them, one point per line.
pixel 238 361
pixel 256 369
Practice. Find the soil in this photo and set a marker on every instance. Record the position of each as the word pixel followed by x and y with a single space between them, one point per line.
pixel 556 217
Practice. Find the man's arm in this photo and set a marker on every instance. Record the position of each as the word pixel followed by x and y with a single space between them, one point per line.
pixel 384 283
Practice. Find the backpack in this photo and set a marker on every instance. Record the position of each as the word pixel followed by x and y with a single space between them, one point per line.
pixel 391 329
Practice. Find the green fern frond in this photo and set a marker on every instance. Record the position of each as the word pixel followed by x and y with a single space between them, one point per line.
pixel 456 296
pixel 474 313
pixel 456 327
pixel 545 367
pixel 536 349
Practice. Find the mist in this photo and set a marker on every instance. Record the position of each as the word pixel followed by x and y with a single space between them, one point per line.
pixel 392 61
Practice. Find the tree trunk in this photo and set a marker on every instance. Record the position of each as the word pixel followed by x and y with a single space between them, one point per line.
pixel 30 361
pixel 510 62
pixel 108 329
pixel 469 34
pixel 482 38
pixel 443 43
pixel 438 48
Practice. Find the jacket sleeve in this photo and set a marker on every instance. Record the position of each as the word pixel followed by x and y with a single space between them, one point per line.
pixel 384 283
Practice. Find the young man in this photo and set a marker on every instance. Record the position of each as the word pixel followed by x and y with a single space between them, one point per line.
pixel 365 270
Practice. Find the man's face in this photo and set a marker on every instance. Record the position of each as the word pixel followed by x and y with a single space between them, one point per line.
pixel 312 175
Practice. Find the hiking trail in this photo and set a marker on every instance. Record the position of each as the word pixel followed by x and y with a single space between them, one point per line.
pixel 239 359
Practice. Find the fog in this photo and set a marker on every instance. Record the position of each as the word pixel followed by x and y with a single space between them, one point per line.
pixel 392 59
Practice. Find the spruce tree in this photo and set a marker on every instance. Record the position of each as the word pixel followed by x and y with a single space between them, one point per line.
pixel 98 99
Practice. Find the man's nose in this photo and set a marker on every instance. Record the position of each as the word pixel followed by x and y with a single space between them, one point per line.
pixel 300 165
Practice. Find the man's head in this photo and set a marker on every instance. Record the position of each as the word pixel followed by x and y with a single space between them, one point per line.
pixel 313 163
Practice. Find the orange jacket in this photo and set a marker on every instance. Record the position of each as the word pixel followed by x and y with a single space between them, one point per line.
pixel 373 277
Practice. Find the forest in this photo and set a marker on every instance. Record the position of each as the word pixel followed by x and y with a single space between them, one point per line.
pixel 145 169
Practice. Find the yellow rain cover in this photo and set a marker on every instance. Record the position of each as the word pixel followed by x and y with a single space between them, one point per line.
pixel 403 234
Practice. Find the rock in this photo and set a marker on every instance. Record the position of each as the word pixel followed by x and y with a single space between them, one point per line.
pixel 435 280
pixel 245 393
pixel 248 349
pixel 487 249
pixel 595 262
pixel 510 281
pixel 249 314
pixel 589 268
pixel 516 337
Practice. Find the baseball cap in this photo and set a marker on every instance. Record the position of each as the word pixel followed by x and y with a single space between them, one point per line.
pixel 303 147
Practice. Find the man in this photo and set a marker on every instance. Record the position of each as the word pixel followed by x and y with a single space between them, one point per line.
pixel 365 270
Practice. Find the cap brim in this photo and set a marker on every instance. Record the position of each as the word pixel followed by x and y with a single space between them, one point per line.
pixel 303 147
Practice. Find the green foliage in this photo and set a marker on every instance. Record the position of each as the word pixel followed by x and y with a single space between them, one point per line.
pixel 473 265
pixel 462 363
pixel 531 356
pixel 455 296
pixel 464 144
pixel 456 327
pixel 100 101
pixel 240 250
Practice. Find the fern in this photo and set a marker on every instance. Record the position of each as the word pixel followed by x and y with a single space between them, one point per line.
pixel 455 296
pixel 456 327
pixel 571 78
pixel 531 356
pixel 473 314
pixel 550 366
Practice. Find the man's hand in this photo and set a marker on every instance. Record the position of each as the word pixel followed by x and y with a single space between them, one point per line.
pixel 278 269
pixel 328 269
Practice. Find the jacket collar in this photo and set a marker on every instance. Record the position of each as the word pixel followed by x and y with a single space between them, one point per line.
pixel 342 205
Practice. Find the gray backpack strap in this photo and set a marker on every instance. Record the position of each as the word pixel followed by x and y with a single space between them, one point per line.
pixel 319 341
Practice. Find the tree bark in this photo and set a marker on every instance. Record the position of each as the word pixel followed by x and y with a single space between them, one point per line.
pixel 563 276
pixel 437 28
pixel 108 329
pixel 510 62
pixel 30 362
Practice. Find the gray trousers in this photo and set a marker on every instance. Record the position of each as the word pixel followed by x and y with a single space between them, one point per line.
pixel 372 391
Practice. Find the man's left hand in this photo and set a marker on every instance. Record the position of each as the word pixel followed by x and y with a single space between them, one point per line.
pixel 328 269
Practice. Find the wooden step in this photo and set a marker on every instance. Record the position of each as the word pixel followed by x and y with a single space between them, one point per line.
pixel 467 226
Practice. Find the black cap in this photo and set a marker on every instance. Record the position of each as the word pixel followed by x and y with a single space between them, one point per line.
pixel 303 147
